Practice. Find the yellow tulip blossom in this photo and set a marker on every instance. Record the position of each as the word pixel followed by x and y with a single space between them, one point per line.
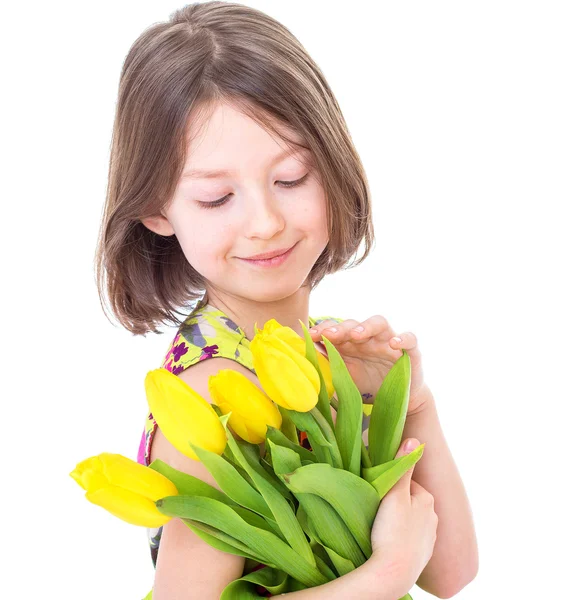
pixel 124 488
pixel 183 415
pixel 285 374
pixel 252 410
pixel 293 339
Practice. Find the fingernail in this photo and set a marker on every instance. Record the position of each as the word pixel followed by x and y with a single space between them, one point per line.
pixel 358 328
pixel 332 329
pixel 313 330
pixel 411 445
pixel 397 339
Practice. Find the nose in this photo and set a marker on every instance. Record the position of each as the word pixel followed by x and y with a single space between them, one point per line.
pixel 264 218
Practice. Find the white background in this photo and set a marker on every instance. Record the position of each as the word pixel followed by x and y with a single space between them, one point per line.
pixel 470 120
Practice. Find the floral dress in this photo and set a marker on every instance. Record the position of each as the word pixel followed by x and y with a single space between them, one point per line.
pixel 206 333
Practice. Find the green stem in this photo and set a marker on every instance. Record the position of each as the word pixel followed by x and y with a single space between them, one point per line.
pixel 329 436
pixel 366 462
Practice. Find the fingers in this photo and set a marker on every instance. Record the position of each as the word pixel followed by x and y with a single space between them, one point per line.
pixel 406 341
pixel 333 331
pixel 402 486
pixel 357 332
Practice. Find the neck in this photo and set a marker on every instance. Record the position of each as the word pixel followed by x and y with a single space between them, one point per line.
pixel 245 312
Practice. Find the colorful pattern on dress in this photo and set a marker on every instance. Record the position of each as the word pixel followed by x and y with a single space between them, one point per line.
pixel 206 333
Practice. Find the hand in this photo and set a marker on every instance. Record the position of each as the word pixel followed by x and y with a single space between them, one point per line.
pixel 404 530
pixel 369 355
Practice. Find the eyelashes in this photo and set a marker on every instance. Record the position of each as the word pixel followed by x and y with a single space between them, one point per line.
pixel 225 199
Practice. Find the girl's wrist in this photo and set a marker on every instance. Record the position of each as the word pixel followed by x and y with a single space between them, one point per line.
pixel 385 582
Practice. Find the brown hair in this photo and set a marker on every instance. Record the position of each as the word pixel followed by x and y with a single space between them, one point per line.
pixel 208 53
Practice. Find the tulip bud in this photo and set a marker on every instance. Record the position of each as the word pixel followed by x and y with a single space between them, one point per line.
pixel 293 339
pixel 252 410
pixel 184 416
pixel 284 373
pixel 124 488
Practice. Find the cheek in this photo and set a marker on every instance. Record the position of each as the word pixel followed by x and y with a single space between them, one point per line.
pixel 204 244
pixel 311 215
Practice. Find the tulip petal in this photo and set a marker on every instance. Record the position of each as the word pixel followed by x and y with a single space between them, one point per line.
pixel 122 472
pixel 251 408
pixel 183 415
pixel 287 377
pixel 128 506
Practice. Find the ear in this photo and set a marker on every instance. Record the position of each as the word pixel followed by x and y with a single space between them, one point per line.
pixel 159 224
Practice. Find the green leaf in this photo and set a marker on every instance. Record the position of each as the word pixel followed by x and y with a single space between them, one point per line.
pixel 342 565
pixel 323 404
pixel 252 454
pixel 324 563
pixel 231 482
pixel 386 480
pixel 329 528
pixel 187 484
pixel 355 500
pixel 277 437
pixel 325 568
pixel 287 427
pixel 333 450
pixel 280 508
pixel 269 548
pixel 389 412
pixel 348 424
pixel 244 588
pixel 219 539
pixel 284 460
pixel 305 421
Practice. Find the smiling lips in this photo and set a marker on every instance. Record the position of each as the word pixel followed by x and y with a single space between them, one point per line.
pixel 275 259
pixel 267 255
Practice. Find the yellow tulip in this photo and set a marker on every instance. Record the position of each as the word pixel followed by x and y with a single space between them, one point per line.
pixel 284 373
pixel 252 410
pixel 183 415
pixel 124 488
pixel 293 339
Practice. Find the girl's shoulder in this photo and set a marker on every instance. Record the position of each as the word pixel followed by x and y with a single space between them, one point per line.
pixel 207 332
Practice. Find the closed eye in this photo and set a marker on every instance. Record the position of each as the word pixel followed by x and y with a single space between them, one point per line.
pixel 221 201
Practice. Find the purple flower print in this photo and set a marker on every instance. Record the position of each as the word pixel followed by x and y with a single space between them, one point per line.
pixel 179 351
pixel 177 370
pixel 209 351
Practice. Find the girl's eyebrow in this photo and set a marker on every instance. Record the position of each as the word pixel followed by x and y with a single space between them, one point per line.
pixel 207 174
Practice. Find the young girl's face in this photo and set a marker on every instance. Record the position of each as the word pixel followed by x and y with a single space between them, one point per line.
pixel 267 201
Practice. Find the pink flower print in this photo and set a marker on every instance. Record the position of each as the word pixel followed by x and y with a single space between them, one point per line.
pixel 179 351
pixel 168 366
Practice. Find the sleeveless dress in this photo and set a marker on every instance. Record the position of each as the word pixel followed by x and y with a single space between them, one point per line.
pixel 206 333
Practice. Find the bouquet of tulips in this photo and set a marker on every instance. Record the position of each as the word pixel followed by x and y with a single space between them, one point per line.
pixel 305 515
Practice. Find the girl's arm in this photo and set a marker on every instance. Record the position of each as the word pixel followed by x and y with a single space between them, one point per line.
pixel 454 563
pixel 364 582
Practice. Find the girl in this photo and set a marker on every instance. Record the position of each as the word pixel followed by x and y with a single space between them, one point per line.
pixel 233 181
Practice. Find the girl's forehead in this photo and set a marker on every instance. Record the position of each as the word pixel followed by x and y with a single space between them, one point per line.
pixel 226 128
